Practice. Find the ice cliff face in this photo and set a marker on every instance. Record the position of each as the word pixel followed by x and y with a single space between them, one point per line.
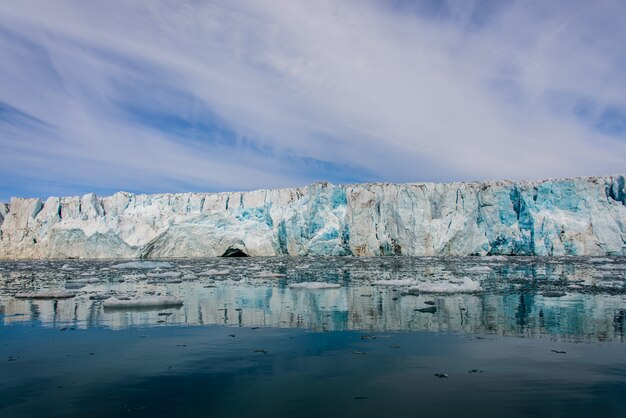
pixel 583 216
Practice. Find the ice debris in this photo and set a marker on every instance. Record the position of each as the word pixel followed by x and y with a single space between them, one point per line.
pixel 398 282
pixel 314 285
pixel 141 302
pixel 50 294
pixel 143 265
pixel 466 286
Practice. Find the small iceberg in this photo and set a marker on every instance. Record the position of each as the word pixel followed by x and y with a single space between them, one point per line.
pixel 466 286
pixel 314 285
pixel 143 302
pixel 51 294
pixel 67 267
pixel 399 282
pixel 143 265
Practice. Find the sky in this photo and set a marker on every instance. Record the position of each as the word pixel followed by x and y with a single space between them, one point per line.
pixel 174 96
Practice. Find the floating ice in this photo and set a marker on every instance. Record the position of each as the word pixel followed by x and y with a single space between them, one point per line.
pixel 143 265
pixel 270 275
pixel 496 258
pixel 479 269
pixel 189 276
pixel 50 294
pixel 99 296
pixel 612 267
pixel 600 260
pixel 467 286
pixel 399 282
pixel 214 272
pixel 67 267
pixel 314 285
pixel 142 302
pixel 172 274
pixel 133 276
pixel 88 280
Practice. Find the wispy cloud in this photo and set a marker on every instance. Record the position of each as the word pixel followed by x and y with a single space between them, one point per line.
pixel 172 96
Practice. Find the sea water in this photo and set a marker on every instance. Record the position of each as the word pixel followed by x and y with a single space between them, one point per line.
pixel 284 337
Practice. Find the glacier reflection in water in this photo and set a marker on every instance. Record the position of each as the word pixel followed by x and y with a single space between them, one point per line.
pixel 565 298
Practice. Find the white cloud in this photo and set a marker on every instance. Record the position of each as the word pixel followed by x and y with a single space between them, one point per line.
pixel 474 93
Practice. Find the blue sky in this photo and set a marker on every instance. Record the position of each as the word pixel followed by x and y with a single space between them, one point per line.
pixel 177 96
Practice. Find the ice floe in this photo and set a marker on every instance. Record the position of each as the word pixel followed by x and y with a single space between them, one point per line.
pixel 214 272
pixel 143 265
pixel 466 286
pixel 172 274
pixel 270 275
pixel 398 282
pixel 314 285
pixel 479 269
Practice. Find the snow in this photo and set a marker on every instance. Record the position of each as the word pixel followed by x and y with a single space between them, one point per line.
pixel 314 285
pixel 142 302
pixel 466 286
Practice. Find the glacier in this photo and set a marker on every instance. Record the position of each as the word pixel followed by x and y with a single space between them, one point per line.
pixel 578 216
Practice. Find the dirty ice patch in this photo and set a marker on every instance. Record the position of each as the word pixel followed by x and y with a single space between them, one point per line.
pixel 466 286
pixel 314 285
pixel 143 265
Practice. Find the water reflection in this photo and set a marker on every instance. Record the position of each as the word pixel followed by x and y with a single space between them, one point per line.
pixel 255 292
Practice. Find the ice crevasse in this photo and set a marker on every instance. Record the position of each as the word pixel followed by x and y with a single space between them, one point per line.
pixel 580 216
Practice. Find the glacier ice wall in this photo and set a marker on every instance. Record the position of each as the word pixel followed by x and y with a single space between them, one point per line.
pixel 582 216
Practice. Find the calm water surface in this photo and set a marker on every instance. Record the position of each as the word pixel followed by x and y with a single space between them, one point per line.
pixel 542 337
